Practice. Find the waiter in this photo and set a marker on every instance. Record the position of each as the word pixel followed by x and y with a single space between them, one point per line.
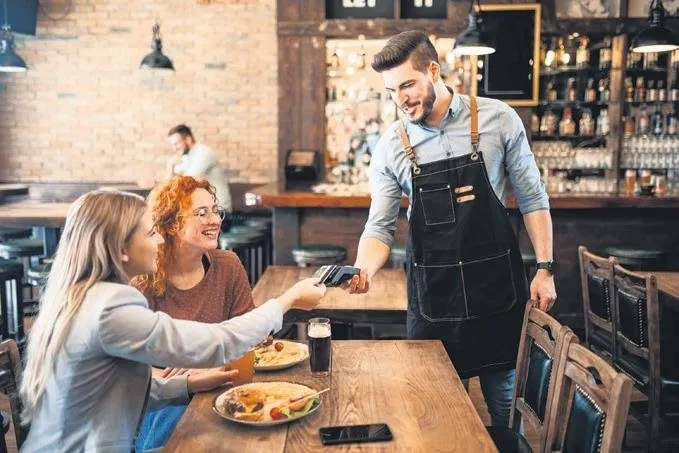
pixel 450 154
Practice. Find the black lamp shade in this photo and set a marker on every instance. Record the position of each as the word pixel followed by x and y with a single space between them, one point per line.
pixel 473 41
pixel 655 38
pixel 156 59
pixel 9 60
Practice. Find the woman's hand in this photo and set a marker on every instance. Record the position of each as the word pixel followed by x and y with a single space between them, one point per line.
pixel 209 379
pixel 305 294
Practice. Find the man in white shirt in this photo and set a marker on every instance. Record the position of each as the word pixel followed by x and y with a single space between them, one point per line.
pixel 197 160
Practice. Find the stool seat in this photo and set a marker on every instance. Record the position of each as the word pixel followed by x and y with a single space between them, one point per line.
pixel 17 248
pixel 639 258
pixel 230 240
pixel 398 256
pixel 319 254
pixel 258 222
pixel 39 273
pixel 10 268
pixel 528 256
pixel 244 229
pixel 14 233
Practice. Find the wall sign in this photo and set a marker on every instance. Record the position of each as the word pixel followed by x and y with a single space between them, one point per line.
pixel 424 9
pixel 359 9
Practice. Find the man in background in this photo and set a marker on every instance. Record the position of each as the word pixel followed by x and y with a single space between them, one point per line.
pixel 197 160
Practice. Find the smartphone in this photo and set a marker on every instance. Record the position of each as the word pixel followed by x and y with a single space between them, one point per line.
pixel 378 432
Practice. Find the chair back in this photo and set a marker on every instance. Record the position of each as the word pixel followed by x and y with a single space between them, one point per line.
pixel 543 343
pixel 10 376
pixel 637 327
pixel 596 276
pixel 591 404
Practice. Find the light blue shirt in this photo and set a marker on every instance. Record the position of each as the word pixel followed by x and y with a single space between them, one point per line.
pixel 502 141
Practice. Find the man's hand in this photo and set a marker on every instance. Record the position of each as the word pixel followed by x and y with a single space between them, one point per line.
pixel 542 290
pixel 359 284
pixel 209 379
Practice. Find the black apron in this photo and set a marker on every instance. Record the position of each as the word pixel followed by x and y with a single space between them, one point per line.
pixel 466 281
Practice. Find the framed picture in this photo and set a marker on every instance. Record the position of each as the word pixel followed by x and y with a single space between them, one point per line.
pixel 639 8
pixel 587 9
pixel 510 74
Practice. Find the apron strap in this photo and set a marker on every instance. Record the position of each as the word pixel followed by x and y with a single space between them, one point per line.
pixel 475 127
pixel 408 149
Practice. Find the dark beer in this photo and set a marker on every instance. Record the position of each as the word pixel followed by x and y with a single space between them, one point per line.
pixel 320 348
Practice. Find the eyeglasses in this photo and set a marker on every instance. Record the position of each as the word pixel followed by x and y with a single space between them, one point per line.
pixel 204 212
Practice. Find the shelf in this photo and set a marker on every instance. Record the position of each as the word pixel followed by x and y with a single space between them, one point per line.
pixel 570 70
pixel 576 104
pixel 567 137
pixel 638 103
pixel 656 69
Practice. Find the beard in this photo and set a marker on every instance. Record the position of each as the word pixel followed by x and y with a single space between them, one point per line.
pixel 427 104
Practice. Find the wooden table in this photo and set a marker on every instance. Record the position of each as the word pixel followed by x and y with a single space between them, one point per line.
pixel 386 302
pixel 410 385
pixel 49 217
pixel 668 282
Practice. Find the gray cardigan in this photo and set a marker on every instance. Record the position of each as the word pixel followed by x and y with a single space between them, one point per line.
pixel 94 399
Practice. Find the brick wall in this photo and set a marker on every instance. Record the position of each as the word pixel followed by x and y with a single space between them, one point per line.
pixel 85 112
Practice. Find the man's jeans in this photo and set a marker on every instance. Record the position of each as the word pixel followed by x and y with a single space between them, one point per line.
pixel 497 388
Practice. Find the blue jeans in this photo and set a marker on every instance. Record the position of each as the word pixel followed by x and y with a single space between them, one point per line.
pixel 157 426
pixel 497 388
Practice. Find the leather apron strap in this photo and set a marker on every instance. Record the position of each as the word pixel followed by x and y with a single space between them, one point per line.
pixel 408 148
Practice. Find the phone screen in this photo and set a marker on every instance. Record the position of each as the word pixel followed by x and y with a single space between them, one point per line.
pixel 355 433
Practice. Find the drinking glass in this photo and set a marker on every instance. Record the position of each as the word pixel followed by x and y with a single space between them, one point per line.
pixel 320 346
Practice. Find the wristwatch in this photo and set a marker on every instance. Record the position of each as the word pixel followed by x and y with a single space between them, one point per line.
pixel 549 266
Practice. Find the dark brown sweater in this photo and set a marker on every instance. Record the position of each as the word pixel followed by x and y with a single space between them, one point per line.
pixel 223 293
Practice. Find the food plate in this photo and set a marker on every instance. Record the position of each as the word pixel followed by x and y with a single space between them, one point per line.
pixel 255 404
pixel 280 354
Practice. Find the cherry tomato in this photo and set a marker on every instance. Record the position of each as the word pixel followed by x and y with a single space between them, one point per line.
pixel 279 346
pixel 276 413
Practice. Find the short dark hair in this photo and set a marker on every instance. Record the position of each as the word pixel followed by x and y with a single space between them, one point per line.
pixel 182 130
pixel 412 44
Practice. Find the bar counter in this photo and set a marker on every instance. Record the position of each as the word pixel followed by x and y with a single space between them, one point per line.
pixel 304 217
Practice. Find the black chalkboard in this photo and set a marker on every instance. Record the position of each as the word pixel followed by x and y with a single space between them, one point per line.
pixel 359 9
pixel 511 73
pixel 424 9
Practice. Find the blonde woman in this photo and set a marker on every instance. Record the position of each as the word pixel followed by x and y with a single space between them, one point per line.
pixel 87 376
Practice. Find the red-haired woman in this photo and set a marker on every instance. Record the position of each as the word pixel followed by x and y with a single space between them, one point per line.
pixel 194 281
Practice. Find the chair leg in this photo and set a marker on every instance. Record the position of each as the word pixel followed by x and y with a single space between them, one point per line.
pixel 654 422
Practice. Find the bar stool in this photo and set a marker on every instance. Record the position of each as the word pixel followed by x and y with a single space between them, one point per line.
pixel 11 274
pixel 638 258
pixel 319 254
pixel 249 247
pixel 398 256
pixel 24 251
pixel 37 277
pixel 264 224
pixel 529 262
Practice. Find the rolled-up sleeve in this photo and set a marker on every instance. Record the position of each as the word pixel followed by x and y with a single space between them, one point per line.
pixel 521 167
pixel 386 196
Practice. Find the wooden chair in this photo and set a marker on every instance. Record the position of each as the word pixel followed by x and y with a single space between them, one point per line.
pixel 590 404
pixel 10 376
pixel 596 275
pixel 654 369
pixel 543 343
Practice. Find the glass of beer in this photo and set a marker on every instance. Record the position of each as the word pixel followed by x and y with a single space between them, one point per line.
pixel 320 347
pixel 245 365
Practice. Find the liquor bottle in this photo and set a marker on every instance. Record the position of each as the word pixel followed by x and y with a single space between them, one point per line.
pixel 561 56
pixel 603 125
pixel 551 91
pixel 642 121
pixel 604 90
pixel 550 56
pixel 671 123
pixel 534 123
pixel 628 126
pixel 662 92
pixel 590 92
pixel 640 90
pixel 674 91
pixel 605 54
pixel 548 123
pixel 629 90
pixel 651 92
pixel 582 54
pixel 650 60
pixel 571 95
pixel 657 122
pixel 586 123
pixel 567 125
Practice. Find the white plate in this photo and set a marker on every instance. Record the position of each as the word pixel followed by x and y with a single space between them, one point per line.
pixel 218 402
pixel 287 344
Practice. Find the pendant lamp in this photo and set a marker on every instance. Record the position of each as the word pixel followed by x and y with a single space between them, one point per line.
pixel 9 60
pixel 474 41
pixel 656 37
pixel 156 59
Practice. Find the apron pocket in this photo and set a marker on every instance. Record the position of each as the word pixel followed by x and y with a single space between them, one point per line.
pixel 489 285
pixel 437 205
pixel 440 292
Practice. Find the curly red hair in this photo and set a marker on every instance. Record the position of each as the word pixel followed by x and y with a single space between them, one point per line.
pixel 167 201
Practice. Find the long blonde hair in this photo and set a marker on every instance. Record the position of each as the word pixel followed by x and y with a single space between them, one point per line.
pixel 98 226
